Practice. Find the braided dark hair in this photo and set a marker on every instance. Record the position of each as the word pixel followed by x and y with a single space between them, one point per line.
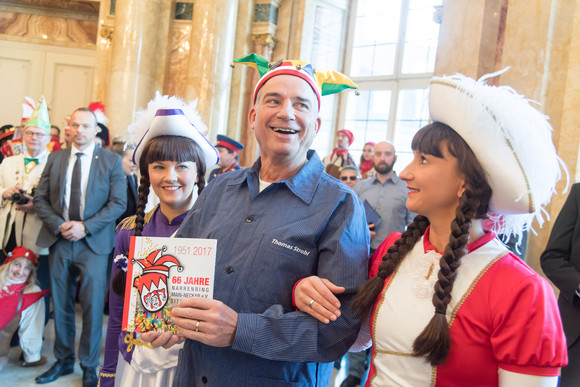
pixel 144 188
pixel 434 341
pixel 162 148
pixel 370 290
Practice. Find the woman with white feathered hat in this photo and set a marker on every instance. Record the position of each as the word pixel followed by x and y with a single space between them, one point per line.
pixel 173 156
pixel 449 305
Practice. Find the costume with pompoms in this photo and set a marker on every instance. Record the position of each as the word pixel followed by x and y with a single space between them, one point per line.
pixel 128 360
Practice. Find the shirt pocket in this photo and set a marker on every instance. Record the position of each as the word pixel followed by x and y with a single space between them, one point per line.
pixel 275 268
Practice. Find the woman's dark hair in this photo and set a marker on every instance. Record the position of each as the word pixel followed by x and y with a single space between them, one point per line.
pixel 163 148
pixel 362 157
pixel 434 341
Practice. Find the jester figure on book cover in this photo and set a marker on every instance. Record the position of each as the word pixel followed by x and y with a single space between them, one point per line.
pixel 161 272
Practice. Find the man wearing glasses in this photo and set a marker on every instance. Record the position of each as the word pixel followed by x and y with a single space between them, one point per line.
pixel 19 176
pixel 349 175
pixel 19 223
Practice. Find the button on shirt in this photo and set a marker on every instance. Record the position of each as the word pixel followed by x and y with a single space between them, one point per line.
pixel 389 201
pixel 86 162
pixel 309 224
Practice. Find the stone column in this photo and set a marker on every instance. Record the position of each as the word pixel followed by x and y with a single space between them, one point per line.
pixel 139 56
pixel 103 57
pixel 471 37
pixel 212 48
pixel 541 45
pixel 238 105
pixel 263 30
pixel 539 39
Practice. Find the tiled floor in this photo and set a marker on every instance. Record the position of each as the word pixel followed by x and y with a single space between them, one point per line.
pixel 14 375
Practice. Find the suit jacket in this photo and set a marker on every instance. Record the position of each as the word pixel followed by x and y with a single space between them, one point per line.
pixel 27 226
pixel 561 262
pixel 105 201
pixel 132 197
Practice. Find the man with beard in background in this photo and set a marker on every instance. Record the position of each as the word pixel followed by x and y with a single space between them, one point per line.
pixel 386 194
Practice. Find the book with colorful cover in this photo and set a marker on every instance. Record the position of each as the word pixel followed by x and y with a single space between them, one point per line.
pixel 160 273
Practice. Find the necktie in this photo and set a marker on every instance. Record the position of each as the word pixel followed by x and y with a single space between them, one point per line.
pixel 30 160
pixel 132 187
pixel 74 208
pixel 133 179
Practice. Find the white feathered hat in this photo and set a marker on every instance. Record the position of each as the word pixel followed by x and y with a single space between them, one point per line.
pixel 172 116
pixel 511 140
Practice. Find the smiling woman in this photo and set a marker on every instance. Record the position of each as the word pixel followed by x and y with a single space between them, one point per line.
pixel 173 181
pixel 446 296
pixel 172 157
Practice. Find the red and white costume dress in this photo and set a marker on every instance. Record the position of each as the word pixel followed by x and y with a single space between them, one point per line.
pixel 502 314
pixel 16 298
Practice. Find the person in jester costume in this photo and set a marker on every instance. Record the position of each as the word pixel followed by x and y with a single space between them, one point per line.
pixel 152 284
pixel 172 156
pixel 276 221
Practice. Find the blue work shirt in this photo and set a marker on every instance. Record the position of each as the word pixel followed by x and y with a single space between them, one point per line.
pixel 309 224
pixel 389 200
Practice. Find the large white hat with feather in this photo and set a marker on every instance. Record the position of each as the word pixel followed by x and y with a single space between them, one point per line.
pixel 172 116
pixel 511 139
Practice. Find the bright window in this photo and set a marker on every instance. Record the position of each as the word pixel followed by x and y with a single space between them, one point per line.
pixel 392 58
pixel 328 53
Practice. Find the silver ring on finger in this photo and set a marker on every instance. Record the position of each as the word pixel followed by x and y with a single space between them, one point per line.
pixel 310 303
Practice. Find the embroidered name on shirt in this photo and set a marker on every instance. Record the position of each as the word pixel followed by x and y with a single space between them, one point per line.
pixel 290 247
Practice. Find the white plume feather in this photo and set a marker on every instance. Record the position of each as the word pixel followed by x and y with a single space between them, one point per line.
pixel 142 118
pixel 529 135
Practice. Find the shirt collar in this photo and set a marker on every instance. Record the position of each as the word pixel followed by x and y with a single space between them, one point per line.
pixel 40 157
pixel 303 184
pixel 88 150
pixel 488 236
pixel 394 178
pixel 163 219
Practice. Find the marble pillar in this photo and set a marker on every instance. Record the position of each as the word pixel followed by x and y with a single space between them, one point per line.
pixel 178 65
pixel 209 72
pixel 140 47
pixel 265 17
pixel 541 43
pixel 540 40
pixel 470 37
pixel 239 105
pixel 103 57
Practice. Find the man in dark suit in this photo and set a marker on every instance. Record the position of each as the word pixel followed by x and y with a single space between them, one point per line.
pixel 81 193
pixel 126 151
pixel 561 264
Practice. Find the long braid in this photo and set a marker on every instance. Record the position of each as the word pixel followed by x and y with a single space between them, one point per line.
pixel 119 281
pixel 434 341
pixel 141 203
pixel 369 291
pixel 200 179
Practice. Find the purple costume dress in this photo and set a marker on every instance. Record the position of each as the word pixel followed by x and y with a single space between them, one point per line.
pixel 150 366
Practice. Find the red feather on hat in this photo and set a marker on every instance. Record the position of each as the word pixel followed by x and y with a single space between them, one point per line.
pixel 94 106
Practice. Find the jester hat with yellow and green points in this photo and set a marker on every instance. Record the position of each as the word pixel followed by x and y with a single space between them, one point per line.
pixel 39 118
pixel 323 82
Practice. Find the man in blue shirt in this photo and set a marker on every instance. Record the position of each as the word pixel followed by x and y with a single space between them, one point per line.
pixel 276 222
pixel 386 194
